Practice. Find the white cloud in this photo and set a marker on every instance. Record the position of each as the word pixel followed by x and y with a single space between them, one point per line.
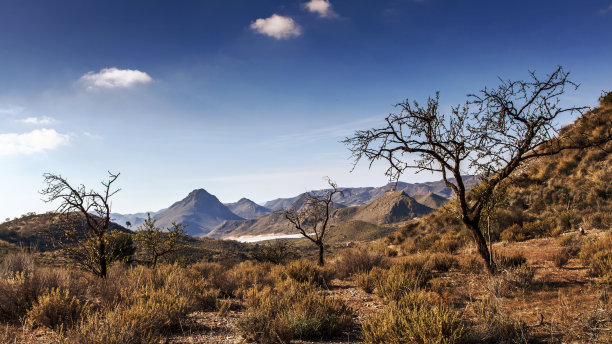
pixel 37 121
pixel 11 110
pixel 109 78
pixel 322 7
pixel 35 141
pixel 277 26
pixel 92 136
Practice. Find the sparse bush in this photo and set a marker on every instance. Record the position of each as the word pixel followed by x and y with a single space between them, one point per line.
pixel 57 308
pixel 425 243
pixel 510 281
pixel 357 260
pixel 292 310
pixel 510 261
pixel 16 262
pixel 561 258
pixel 471 265
pixel 494 326
pixel 515 233
pixel 415 318
pixel 597 255
pixel 403 278
pixel 367 281
pixel 442 262
pixel 19 291
pixel 305 271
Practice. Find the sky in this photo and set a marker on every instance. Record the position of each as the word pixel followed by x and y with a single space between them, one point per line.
pixel 252 98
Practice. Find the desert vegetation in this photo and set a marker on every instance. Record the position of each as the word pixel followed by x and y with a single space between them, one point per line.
pixel 549 240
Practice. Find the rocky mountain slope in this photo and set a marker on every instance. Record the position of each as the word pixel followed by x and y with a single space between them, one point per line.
pixel 200 211
pixel 394 206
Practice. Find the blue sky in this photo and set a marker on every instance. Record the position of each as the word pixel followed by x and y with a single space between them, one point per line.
pixel 250 98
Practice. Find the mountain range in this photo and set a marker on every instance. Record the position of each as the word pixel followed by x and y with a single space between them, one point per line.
pixel 205 215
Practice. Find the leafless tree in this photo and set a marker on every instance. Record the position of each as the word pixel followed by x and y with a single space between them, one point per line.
pixel 312 218
pixel 492 135
pixel 87 244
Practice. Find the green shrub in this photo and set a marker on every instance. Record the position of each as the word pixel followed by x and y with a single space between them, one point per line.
pixel 57 308
pixel 414 318
pixel 357 260
pixel 292 310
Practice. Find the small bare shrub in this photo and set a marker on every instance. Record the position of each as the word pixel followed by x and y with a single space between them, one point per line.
pixel 357 260
pixel 561 258
pixel 492 325
pixel 415 318
pixel 509 281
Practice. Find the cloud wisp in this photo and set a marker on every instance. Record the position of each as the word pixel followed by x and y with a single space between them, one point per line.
pixel 277 26
pixel 322 8
pixel 36 141
pixel 44 120
pixel 11 110
pixel 113 78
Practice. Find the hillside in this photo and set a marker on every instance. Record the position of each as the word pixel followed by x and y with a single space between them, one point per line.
pixel 200 211
pixel 33 230
pixel 247 209
pixel 548 196
pixel 430 199
pixel 394 206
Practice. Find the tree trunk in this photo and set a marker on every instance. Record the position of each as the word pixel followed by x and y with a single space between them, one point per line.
pixel 102 256
pixel 481 244
pixel 154 262
pixel 321 251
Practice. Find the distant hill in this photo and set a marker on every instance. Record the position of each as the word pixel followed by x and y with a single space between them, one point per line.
pixel 392 207
pixel 200 211
pixel 431 200
pixel 33 230
pixel 365 195
pixel 135 219
pixel 274 223
pixel 247 209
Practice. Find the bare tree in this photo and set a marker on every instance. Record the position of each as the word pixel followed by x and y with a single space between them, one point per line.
pixel 85 242
pixel 312 218
pixel 493 134
pixel 156 242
